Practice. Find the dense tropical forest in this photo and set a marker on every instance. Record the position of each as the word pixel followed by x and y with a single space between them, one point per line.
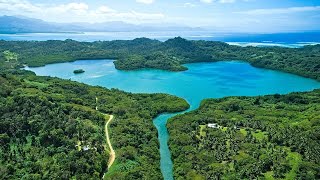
pixel 168 55
pixel 54 129
pixel 264 137
pixel 50 129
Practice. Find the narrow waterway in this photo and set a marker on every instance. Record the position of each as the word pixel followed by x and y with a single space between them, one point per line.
pixel 201 81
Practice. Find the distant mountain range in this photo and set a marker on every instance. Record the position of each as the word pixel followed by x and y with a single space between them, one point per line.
pixel 17 24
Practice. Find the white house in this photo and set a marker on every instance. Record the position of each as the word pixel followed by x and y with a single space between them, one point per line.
pixel 213 125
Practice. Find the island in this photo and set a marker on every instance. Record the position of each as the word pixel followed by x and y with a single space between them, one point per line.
pixel 168 55
pixel 78 71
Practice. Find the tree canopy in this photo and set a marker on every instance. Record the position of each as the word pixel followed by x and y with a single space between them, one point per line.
pixel 49 129
pixel 275 136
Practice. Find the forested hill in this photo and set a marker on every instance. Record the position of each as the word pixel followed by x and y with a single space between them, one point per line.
pixel 168 55
pixel 49 129
pixel 265 137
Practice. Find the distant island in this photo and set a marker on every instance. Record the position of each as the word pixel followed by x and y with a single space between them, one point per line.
pixel 169 55
pixel 78 71
pixel 16 24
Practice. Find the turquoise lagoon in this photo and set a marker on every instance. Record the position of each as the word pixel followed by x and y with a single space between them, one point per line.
pixel 202 80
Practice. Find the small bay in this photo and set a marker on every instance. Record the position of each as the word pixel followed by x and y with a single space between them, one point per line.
pixel 201 81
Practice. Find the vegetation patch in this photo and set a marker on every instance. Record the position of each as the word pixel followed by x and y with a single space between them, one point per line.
pixel 50 129
pixel 9 56
pixel 78 71
pixel 270 137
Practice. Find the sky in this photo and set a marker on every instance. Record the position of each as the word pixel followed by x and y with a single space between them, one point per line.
pixel 216 15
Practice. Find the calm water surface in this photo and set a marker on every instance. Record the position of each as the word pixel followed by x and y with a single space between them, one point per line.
pixel 291 40
pixel 202 80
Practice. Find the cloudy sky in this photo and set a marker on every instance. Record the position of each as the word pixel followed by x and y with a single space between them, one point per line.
pixel 219 15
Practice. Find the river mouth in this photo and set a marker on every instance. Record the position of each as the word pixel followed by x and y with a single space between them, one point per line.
pixel 200 81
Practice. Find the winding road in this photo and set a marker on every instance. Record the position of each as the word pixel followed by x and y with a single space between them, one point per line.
pixel 112 152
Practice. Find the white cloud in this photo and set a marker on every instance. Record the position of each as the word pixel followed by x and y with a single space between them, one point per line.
pixel 206 1
pixel 105 10
pixel 73 12
pixel 227 1
pixel 147 16
pixel 76 8
pixel 280 10
pixel 222 1
pixel 145 1
pixel 12 5
pixel 189 5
